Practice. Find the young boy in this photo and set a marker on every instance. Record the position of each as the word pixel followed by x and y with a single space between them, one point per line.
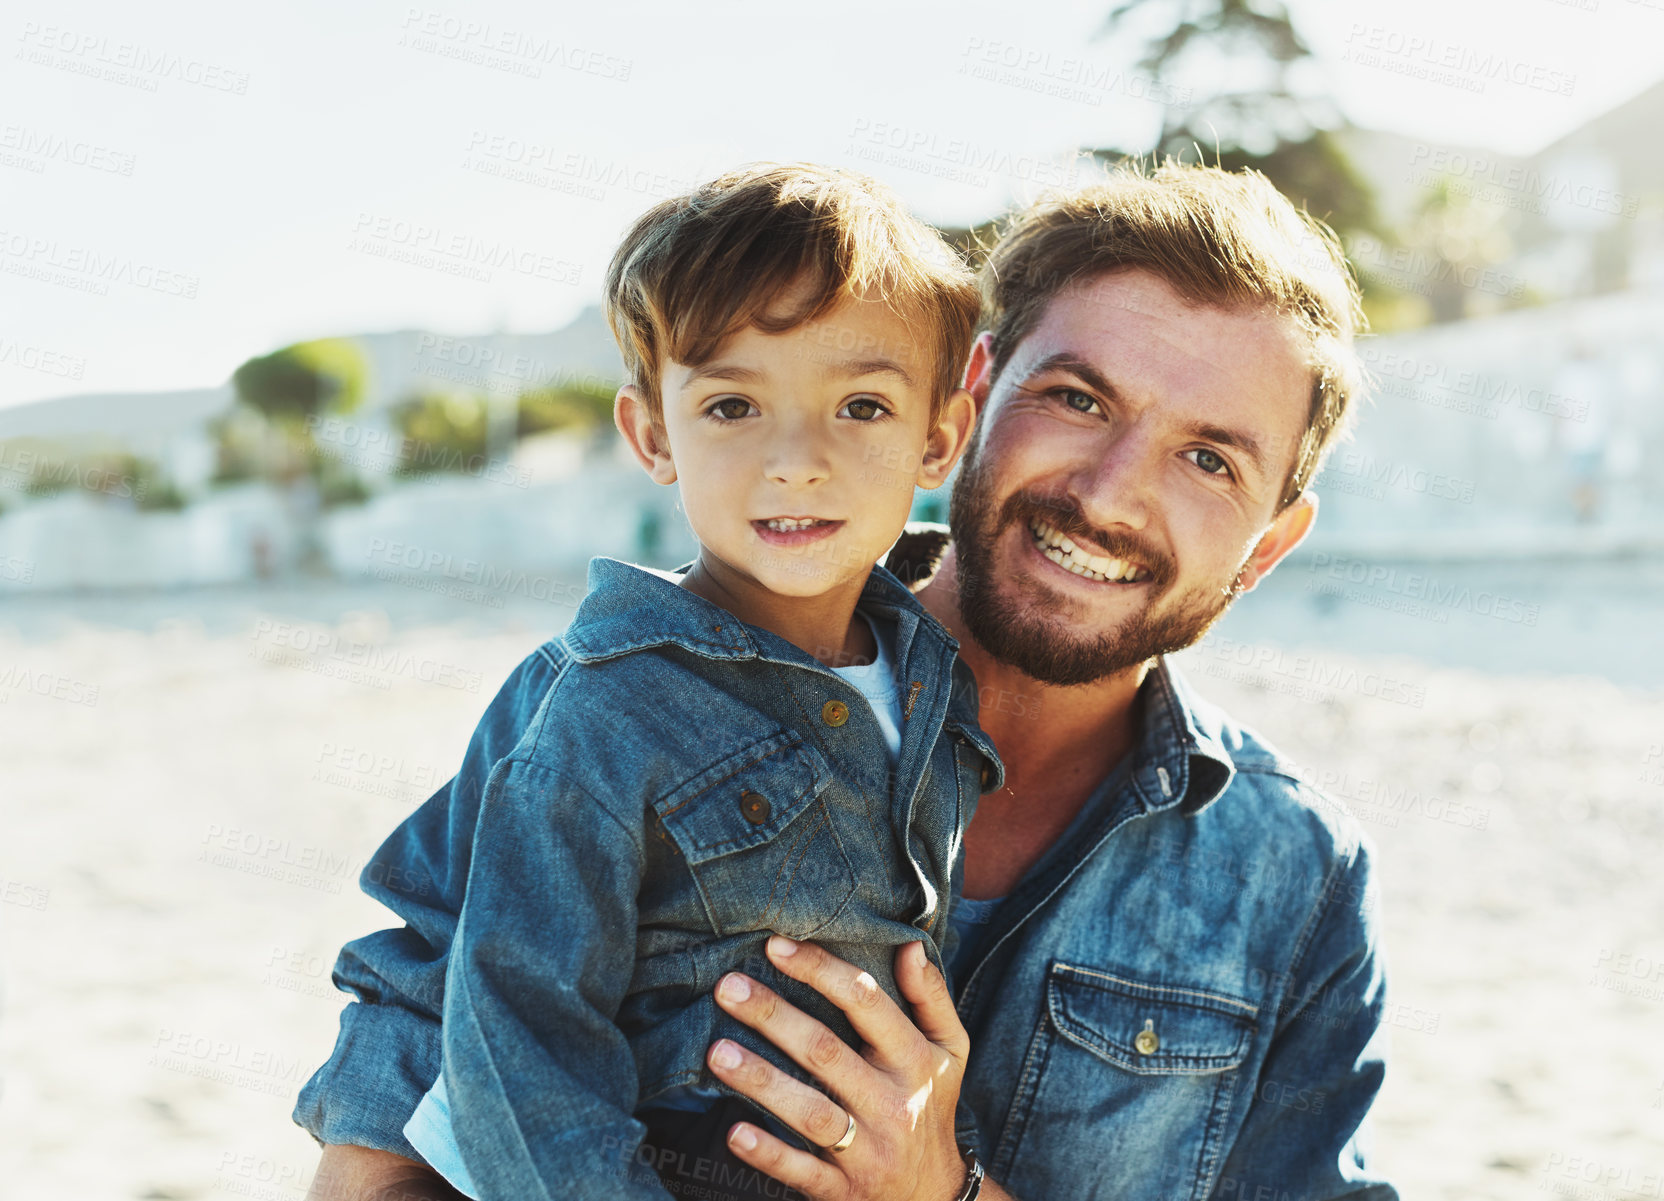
pixel 703 769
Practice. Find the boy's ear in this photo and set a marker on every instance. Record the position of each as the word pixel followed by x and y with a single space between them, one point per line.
pixel 948 440
pixel 645 437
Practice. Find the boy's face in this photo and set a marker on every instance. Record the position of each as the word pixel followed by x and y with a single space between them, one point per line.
pixel 798 453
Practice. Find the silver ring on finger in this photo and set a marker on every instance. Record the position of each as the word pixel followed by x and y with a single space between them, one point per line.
pixel 848 1137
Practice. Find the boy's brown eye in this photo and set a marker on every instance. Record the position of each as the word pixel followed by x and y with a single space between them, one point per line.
pixel 864 410
pixel 731 409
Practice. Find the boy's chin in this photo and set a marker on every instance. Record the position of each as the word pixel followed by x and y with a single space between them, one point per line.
pixel 802 577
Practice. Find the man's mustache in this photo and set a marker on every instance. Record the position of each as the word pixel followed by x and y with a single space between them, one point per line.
pixel 1065 516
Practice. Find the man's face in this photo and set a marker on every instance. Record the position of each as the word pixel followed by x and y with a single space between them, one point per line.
pixel 1130 458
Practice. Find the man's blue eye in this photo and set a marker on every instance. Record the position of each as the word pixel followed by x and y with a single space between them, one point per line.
pixel 1079 401
pixel 1208 461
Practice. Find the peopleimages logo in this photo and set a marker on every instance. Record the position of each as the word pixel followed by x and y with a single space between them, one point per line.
pixel 1488 390
pixel 1491 178
pixel 1438 61
pixel 1423 594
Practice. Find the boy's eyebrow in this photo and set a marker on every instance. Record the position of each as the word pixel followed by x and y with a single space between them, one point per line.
pixel 851 368
pixel 842 368
pixel 732 372
pixel 1240 440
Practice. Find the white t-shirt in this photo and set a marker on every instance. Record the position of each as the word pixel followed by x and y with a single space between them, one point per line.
pixel 877 682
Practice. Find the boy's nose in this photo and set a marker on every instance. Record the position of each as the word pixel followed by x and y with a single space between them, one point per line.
pixel 798 459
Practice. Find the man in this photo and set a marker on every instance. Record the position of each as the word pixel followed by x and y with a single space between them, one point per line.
pixel 1176 989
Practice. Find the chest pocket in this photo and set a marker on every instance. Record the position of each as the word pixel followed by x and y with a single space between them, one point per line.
pixel 1153 1067
pixel 758 838
pixel 1149 1030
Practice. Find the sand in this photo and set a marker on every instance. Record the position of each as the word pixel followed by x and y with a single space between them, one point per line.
pixel 187 799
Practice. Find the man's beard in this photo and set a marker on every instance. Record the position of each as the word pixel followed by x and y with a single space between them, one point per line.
pixel 1025 636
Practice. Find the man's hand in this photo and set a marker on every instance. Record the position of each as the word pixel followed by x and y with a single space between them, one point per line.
pixel 901 1089
pixel 360 1174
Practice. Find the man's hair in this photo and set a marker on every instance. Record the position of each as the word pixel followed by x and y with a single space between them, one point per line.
pixel 1218 238
pixel 700 267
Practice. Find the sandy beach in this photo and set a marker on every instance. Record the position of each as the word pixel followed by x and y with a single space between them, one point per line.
pixel 193 780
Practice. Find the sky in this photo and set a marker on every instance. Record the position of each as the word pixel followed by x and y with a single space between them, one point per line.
pixel 184 185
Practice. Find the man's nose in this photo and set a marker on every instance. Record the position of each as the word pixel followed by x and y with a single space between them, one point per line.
pixel 1117 486
pixel 798 456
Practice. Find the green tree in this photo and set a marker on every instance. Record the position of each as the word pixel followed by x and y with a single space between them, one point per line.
pixel 442 432
pixel 574 405
pixel 268 433
pixel 300 381
pixel 1235 66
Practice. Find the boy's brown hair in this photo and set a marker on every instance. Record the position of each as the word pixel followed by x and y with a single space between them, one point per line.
pixel 699 267
pixel 1219 238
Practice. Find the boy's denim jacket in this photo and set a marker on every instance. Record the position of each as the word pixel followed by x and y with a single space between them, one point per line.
pixel 647 798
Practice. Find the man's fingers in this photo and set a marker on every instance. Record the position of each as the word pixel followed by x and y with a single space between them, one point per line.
pixel 815 1048
pixel 923 986
pixel 876 1018
pixel 808 1174
pixel 806 1111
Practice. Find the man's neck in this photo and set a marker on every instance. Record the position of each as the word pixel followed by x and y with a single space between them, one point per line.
pixel 1057 743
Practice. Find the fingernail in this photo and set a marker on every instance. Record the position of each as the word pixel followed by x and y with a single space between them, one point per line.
pixel 782 946
pixel 725 1054
pixel 735 987
pixel 744 1138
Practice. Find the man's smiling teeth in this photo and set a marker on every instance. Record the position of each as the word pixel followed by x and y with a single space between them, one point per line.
pixel 1057 547
pixel 786 525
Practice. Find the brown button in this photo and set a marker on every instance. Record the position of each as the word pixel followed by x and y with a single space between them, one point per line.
pixel 834 713
pixel 755 806
pixel 987 776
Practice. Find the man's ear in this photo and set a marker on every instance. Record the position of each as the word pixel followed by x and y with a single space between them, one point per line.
pixel 948 440
pixel 644 436
pixel 979 371
pixel 1286 532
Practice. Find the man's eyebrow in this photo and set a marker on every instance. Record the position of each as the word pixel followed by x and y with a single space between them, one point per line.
pixel 1065 360
pixel 1240 440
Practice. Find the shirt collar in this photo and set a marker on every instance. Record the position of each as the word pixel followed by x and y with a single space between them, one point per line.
pixel 1181 759
pixel 631 608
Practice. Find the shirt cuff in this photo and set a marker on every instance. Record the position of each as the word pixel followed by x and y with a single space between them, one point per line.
pixel 385 1060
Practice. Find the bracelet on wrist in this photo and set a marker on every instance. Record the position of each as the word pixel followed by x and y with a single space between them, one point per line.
pixel 973 1175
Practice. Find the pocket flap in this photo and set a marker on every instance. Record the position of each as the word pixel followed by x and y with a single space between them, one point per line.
pixel 1148 1029
pixel 745 799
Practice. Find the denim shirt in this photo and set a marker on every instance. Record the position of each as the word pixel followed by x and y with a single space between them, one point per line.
pixel 647 799
pixel 1186 1001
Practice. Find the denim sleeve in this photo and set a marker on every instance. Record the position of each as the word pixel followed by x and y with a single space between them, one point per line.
pixel 1304 1133
pixel 387 1054
pixel 542 1081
